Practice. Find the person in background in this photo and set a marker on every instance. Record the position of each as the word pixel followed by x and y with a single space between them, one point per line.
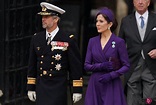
pixel 1 93
pixel 53 55
pixel 139 32
pixel 107 59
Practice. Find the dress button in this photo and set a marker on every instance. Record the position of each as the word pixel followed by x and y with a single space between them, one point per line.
pixel 41 62
pixel 52 63
pixel 42 56
pixel 44 72
pixel 40 68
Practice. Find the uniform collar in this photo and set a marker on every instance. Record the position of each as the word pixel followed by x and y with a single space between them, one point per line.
pixel 52 34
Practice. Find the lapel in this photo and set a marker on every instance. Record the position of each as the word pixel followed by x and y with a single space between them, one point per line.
pixel 109 43
pixel 46 48
pixel 107 46
pixel 42 38
pixel 133 25
pixel 58 36
pixel 98 48
pixel 149 25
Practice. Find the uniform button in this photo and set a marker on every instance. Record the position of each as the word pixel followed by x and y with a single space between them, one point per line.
pixel 52 62
pixel 50 75
pixel 40 68
pixel 53 57
pixel 41 62
pixel 44 72
pixel 41 75
pixel 51 69
pixel 42 56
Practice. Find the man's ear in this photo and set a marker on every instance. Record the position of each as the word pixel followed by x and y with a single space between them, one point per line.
pixel 56 20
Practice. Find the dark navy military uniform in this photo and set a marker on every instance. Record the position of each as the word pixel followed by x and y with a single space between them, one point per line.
pixel 49 66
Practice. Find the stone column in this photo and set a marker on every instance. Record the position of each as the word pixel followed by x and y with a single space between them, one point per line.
pixel 121 11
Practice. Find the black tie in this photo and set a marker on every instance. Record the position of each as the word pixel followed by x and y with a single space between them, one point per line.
pixel 48 39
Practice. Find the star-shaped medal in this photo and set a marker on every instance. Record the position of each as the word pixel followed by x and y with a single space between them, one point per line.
pixel 58 57
pixel 58 67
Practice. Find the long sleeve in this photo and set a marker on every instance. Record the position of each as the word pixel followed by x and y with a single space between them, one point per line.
pixel 75 64
pixel 32 68
pixel 88 65
pixel 123 56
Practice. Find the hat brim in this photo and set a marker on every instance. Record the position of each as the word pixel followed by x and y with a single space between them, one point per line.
pixel 52 7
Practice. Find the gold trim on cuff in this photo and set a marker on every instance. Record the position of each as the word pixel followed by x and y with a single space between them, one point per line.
pixel 31 81
pixel 78 83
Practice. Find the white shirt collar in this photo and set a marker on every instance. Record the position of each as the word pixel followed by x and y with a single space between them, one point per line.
pixel 52 34
pixel 145 16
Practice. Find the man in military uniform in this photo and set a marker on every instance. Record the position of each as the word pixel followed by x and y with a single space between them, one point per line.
pixel 53 56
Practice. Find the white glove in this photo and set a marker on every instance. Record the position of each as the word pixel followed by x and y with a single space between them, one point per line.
pixel 32 95
pixel 76 97
pixel 1 93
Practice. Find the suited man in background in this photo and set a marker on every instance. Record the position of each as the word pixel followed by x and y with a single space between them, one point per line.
pixel 139 31
pixel 53 55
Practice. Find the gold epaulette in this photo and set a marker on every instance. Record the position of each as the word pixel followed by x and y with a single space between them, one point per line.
pixel 31 81
pixel 71 36
pixel 78 83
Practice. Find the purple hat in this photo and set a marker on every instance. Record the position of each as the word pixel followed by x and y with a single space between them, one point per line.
pixel 107 12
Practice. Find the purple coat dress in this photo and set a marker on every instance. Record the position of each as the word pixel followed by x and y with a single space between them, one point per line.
pixel 111 92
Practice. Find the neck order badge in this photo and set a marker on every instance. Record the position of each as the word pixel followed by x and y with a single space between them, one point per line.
pixel 48 39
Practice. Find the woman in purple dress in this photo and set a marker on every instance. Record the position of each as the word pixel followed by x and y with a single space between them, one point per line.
pixel 107 59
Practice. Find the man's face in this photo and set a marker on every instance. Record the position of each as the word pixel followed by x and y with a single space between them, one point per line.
pixel 48 22
pixel 141 5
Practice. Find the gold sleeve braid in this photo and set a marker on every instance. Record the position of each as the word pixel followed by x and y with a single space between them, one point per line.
pixel 78 83
pixel 31 81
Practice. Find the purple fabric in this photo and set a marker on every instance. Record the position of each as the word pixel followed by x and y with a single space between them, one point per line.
pixel 110 93
pixel 108 66
pixel 105 78
pixel 104 66
pixel 116 63
pixel 107 12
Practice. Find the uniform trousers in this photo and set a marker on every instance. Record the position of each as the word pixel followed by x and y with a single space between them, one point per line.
pixel 141 85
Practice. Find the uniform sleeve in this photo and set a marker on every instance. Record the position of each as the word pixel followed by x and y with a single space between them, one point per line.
pixel 32 67
pixel 75 64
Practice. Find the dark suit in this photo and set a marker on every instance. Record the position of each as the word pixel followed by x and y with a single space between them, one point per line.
pixel 49 66
pixel 130 33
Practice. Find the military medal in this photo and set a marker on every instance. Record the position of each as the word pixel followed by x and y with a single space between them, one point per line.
pixel 57 57
pixel 113 44
pixel 48 40
pixel 58 67
pixel 59 45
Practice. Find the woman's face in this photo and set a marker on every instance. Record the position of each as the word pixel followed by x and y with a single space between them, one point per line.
pixel 101 24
